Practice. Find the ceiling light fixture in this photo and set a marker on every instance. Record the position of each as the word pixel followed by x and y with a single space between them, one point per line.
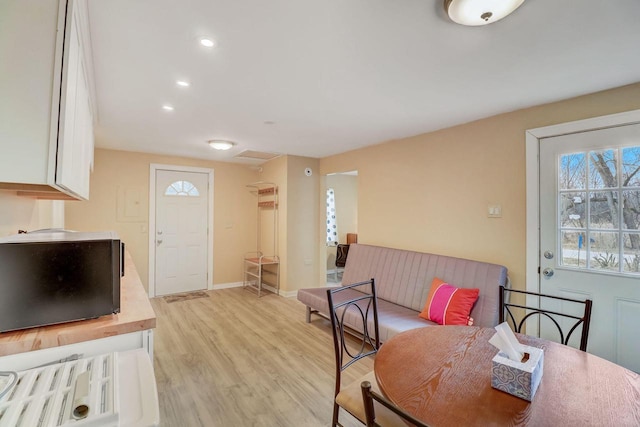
pixel 167 107
pixel 479 12
pixel 220 145
pixel 207 42
pixel 183 83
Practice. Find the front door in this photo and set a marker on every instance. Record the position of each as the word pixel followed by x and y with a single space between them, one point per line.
pixel 590 233
pixel 181 231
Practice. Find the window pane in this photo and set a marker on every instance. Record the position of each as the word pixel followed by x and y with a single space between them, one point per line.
pixel 631 247
pixel 599 197
pixel 603 209
pixel 193 192
pixel 182 188
pixel 603 169
pixel 631 209
pixel 604 251
pixel 573 209
pixel 573 172
pixel 631 167
pixel 574 251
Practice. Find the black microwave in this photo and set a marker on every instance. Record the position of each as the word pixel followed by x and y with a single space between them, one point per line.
pixel 59 276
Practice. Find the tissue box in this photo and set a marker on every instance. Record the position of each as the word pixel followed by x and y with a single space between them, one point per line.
pixel 517 378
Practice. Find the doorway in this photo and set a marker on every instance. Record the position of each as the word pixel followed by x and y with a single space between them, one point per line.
pixel 180 220
pixel 341 217
pixel 587 243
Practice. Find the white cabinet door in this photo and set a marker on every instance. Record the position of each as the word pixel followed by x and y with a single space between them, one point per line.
pixel 31 34
pixel 75 138
pixel 41 149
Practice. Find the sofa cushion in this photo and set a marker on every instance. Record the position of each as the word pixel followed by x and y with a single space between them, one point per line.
pixel 392 318
pixel 317 298
pixel 449 305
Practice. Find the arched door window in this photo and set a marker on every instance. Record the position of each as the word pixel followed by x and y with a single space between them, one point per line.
pixel 182 188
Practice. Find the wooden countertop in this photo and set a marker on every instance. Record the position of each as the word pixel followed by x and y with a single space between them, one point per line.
pixel 136 314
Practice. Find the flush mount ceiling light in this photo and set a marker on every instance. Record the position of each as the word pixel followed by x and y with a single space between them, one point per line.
pixel 206 42
pixel 479 12
pixel 167 107
pixel 220 145
pixel 183 83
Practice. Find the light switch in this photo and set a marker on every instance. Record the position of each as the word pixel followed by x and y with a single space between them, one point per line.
pixel 494 211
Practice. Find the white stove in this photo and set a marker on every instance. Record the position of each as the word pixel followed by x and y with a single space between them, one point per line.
pixel 115 389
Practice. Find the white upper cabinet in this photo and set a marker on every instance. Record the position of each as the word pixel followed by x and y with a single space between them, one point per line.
pixel 46 108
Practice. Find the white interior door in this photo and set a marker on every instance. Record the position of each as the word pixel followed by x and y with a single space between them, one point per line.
pixel 181 231
pixel 590 233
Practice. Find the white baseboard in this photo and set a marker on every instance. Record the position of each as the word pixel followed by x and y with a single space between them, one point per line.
pixel 286 294
pixel 226 286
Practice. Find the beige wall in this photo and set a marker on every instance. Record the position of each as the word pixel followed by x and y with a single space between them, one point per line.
pixel 23 213
pixel 303 212
pixel 117 172
pixel 430 192
pixel 298 214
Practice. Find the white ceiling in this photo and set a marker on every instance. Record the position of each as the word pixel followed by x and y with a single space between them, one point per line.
pixel 336 75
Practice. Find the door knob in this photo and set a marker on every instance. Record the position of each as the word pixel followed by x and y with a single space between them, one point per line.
pixel 158 242
pixel 547 272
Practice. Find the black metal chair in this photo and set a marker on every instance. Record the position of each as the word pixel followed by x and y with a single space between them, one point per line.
pixel 341 259
pixel 355 304
pixel 369 396
pixel 529 311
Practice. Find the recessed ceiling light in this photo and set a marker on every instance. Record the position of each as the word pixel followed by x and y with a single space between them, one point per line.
pixel 183 83
pixel 167 107
pixel 219 144
pixel 207 42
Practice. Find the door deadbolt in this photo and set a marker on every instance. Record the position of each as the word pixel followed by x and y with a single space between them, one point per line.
pixel 548 254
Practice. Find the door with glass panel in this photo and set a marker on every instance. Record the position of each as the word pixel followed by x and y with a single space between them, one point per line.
pixel 590 234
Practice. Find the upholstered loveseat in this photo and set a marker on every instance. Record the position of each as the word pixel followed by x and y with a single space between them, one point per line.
pixel 403 279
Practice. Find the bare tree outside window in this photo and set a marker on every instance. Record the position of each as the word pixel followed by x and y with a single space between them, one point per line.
pixel 599 209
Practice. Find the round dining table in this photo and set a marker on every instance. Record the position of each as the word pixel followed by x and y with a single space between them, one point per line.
pixel 442 375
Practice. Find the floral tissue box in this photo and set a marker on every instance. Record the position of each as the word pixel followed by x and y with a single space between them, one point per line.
pixel 520 379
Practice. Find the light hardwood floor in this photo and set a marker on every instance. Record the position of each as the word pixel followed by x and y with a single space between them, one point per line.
pixel 237 360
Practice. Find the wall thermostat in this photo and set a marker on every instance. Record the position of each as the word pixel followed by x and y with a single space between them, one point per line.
pixel 308 171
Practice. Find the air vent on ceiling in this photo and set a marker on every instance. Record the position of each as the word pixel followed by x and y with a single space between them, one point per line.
pixel 256 155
